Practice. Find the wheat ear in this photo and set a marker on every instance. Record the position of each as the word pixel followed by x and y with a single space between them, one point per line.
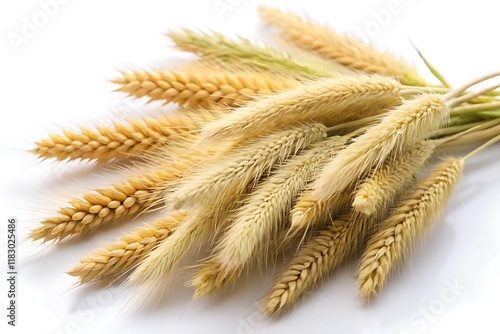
pixel 330 101
pixel 379 189
pixel 106 205
pixel 343 49
pixel 201 88
pixel 315 260
pixel 117 258
pixel 122 140
pixel 308 213
pixel 247 163
pixel 401 127
pixel 255 226
pixel 413 216
pixel 244 51
pixel 210 278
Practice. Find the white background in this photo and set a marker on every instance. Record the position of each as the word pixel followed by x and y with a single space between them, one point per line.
pixel 59 78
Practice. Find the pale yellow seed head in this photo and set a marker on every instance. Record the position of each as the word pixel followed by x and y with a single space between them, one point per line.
pixel 411 218
pixel 330 101
pixel 340 48
pixel 398 171
pixel 402 126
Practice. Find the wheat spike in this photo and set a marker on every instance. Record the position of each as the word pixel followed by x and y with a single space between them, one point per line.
pixel 331 101
pixel 247 163
pixel 315 260
pixel 122 140
pixel 201 88
pixel 411 218
pixel 340 48
pixel 196 229
pixel 117 258
pixel 308 212
pixel 402 126
pixel 93 209
pixel 244 51
pixel 252 234
pixel 210 278
pixel 379 189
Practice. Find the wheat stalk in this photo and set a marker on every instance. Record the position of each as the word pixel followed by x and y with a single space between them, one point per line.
pixel 316 259
pixel 402 126
pixel 120 141
pixel 201 88
pixel 343 49
pixel 412 217
pixel 256 224
pixel 244 51
pixel 247 163
pixel 117 258
pixel 378 189
pixel 330 101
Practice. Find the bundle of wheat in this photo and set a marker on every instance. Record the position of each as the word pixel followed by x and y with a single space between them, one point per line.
pixel 318 148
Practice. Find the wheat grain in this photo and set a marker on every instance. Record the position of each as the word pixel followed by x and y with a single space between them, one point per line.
pixel 330 101
pixel 340 48
pixel 201 88
pixel 247 163
pixel 244 51
pixel 411 218
pixel 402 126
pixel 120 141
pixel 316 259
pixel 379 189
pixel 117 258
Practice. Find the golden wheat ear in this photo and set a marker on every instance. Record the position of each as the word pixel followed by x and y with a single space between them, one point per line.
pixel 225 177
pixel 245 52
pixel 330 101
pixel 412 217
pixel 117 258
pixel 201 88
pixel 401 127
pixel 138 193
pixel 381 186
pixel 320 255
pixel 134 138
pixel 340 48
pixel 309 214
